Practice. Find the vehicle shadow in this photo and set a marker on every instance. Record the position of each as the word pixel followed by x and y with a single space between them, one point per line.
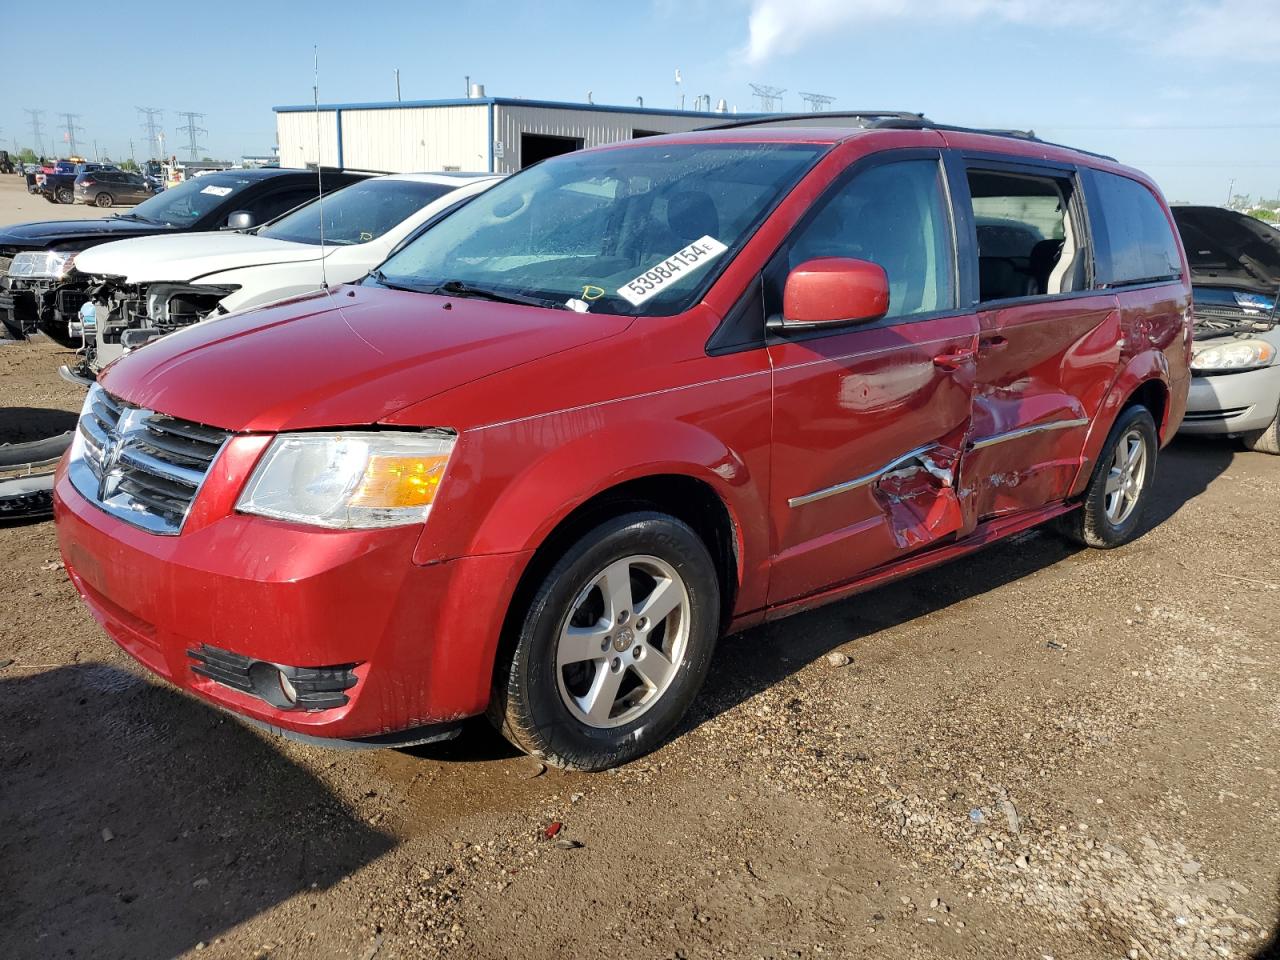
pixel 763 656
pixel 138 823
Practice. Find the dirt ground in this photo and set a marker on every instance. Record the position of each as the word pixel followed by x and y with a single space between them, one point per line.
pixel 1034 752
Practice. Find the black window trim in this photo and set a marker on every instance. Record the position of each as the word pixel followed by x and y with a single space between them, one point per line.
pixel 728 337
pixel 1081 205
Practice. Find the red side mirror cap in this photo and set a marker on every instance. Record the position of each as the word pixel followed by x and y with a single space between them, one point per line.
pixel 835 290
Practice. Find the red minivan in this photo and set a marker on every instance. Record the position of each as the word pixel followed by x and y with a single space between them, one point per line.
pixel 627 401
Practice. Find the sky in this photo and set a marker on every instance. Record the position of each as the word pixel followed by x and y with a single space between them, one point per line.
pixel 1183 89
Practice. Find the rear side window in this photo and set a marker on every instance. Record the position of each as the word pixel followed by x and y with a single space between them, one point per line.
pixel 896 215
pixel 1139 243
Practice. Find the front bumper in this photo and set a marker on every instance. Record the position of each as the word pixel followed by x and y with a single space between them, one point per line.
pixel 1231 403
pixel 422 639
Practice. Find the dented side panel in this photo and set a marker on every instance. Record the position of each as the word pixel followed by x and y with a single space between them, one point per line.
pixel 869 428
pixel 1043 369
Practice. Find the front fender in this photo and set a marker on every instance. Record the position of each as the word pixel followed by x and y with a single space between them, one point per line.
pixel 1148 366
pixel 530 476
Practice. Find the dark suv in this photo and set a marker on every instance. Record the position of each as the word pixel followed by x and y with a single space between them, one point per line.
pixel 106 188
pixel 39 288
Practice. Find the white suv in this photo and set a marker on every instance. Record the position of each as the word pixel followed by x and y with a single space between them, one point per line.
pixel 150 286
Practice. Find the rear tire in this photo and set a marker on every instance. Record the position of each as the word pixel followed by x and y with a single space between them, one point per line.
pixel 593 681
pixel 1120 487
pixel 1266 440
pixel 103 200
pixel 65 195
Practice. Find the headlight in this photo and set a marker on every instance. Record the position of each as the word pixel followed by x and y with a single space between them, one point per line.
pixel 349 480
pixel 1233 356
pixel 43 263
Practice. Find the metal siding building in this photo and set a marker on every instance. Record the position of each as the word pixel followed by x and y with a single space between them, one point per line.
pixel 487 133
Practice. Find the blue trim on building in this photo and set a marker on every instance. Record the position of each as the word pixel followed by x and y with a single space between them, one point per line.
pixel 491 109
pixel 491 102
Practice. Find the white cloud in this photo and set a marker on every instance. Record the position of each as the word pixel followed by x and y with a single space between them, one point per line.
pixel 780 27
pixel 1244 29
pixel 1241 29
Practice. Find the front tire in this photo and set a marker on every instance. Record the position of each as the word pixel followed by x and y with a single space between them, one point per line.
pixel 1266 440
pixel 613 646
pixel 1120 487
pixel 103 200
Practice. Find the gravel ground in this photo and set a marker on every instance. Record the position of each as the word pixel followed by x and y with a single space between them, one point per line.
pixel 1033 752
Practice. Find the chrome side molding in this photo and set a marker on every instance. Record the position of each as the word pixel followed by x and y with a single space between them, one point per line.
pixel 1027 431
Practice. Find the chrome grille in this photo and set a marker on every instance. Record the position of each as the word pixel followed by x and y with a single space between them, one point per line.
pixel 141 466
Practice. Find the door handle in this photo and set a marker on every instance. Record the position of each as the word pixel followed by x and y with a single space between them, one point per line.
pixel 991 344
pixel 953 358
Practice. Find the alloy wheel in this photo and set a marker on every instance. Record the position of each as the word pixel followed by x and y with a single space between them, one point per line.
pixel 623 641
pixel 1127 477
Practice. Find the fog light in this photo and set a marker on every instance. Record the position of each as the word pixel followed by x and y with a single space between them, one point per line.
pixel 272 685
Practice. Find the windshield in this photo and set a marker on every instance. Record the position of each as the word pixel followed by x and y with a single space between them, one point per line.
pixel 635 230
pixel 356 214
pixel 183 205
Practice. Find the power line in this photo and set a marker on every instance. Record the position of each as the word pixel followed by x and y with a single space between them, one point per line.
pixel 770 97
pixel 193 130
pixel 152 128
pixel 35 129
pixel 69 131
pixel 817 101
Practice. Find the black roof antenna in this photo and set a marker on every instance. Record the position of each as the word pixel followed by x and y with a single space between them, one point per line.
pixel 315 94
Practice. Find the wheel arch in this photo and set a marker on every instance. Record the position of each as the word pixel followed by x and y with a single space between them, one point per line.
pixel 1144 380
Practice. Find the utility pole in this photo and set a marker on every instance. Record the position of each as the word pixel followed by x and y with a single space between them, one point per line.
pixel 35 116
pixel 1231 189
pixel 817 101
pixel 193 130
pixel 770 97
pixel 151 124
pixel 397 84
pixel 69 131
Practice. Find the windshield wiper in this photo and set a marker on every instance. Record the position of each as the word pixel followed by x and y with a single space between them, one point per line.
pixel 382 279
pixel 132 216
pixel 456 288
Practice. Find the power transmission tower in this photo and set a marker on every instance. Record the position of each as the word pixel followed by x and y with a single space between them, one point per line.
pixel 193 130
pixel 769 96
pixel 152 126
pixel 70 131
pixel 817 101
pixel 35 129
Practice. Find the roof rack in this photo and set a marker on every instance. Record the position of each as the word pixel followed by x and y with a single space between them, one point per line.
pixel 865 118
pixel 888 120
pixel 920 123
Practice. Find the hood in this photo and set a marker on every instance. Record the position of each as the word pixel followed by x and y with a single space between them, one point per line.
pixel 45 234
pixel 351 357
pixel 1229 249
pixel 189 256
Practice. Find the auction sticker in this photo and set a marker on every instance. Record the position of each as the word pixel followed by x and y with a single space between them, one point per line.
pixel 216 191
pixel 652 282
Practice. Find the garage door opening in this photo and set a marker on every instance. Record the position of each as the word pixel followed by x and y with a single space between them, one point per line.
pixel 535 147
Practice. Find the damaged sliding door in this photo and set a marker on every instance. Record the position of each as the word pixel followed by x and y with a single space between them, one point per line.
pixel 871 419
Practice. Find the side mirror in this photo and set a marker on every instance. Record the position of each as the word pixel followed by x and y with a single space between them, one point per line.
pixel 240 220
pixel 833 290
